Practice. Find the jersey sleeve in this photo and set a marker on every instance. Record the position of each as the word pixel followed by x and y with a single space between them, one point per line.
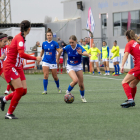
pixel 108 52
pixel 65 49
pixel 127 48
pixel 98 51
pixel 113 49
pixel 56 45
pixel 20 43
pixel 42 46
pixel 89 51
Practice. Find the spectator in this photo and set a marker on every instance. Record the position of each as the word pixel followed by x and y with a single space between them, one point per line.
pixel 80 43
pixel 35 48
pixel 85 59
pixel 59 41
pixel 136 36
pixel 87 40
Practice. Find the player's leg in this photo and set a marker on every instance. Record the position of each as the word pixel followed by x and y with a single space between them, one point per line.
pixel 127 89
pixel 104 63
pixel 61 65
pixel 57 68
pixel 84 61
pixel 45 80
pixel 92 67
pixel 56 79
pixel 107 65
pixel 115 68
pixel 74 78
pixel 97 66
pixel 118 67
pixel 87 60
pixel 81 85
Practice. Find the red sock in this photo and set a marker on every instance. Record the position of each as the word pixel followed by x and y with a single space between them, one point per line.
pixel 12 88
pixel 24 92
pixel 8 87
pixel 61 70
pixel 127 91
pixel 14 102
pixel 57 70
pixel 133 91
pixel 10 96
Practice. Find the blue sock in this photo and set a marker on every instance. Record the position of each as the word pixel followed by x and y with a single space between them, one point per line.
pixel 106 71
pixel 118 68
pixel 93 72
pixel 45 83
pixel 115 67
pixel 99 72
pixel 57 83
pixel 82 93
pixel 70 88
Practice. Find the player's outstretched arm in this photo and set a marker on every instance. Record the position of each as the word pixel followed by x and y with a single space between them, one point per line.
pixel 59 54
pixel 125 57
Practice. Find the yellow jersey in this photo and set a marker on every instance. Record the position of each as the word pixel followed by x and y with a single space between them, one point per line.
pixel 94 52
pixel 86 47
pixel 115 52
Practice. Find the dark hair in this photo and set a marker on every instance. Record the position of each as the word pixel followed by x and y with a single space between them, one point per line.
pixel 24 26
pixel 73 37
pixel 10 37
pixel 131 35
pixel 115 41
pixel 105 42
pixel 2 36
pixel 49 31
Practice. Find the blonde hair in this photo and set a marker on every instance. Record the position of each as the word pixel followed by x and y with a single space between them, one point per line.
pixel 131 35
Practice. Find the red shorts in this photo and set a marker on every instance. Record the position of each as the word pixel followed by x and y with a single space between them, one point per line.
pixel 14 73
pixel 61 61
pixel 1 71
pixel 136 72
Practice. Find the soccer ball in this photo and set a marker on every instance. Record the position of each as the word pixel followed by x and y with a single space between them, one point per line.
pixel 69 98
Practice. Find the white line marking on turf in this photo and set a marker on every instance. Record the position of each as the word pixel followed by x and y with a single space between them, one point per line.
pixel 103 77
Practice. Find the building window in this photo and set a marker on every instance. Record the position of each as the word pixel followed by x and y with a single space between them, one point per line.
pixel 126 20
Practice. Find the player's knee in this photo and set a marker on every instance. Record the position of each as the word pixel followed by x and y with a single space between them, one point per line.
pixel 81 86
pixel 75 81
pixel 132 85
pixel 55 78
pixel 24 92
pixel 123 82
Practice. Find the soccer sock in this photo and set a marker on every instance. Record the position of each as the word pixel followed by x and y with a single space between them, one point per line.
pixel 99 72
pixel 57 83
pixel 127 91
pixel 8 87
pixel 57 70
pixel 24 92
pixel 10 96
pixel 118 68
pixel 70 88
pixel 106 71
pixel 133 92
pixel 61 70
pixel 45 83
pixel 93 72
pixel 115 67
pixel 14 102
pixel 82 93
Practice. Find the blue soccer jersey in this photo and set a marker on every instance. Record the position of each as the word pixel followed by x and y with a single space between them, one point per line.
pixel 50 51
pixel 73 57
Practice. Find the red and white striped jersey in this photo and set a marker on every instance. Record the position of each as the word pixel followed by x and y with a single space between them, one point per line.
pixel 2 51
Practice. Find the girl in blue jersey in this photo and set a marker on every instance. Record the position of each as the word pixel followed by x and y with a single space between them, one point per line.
pixel 74 66
pixel 49 48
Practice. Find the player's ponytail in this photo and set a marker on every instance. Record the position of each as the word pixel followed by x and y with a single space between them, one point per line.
pixel 131 35
pixel 49 31
pixel 2 36
pixel 25 25
pixel 73 37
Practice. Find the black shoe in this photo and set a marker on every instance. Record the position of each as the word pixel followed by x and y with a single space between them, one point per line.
pixel 128 103
pixel 2 103
pixel 10 116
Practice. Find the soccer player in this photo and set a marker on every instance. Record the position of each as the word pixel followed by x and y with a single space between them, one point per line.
pixel 13 71
pixel 131 80
pixel 85 58
pixel 105 58
pixel 49 49
pixel 10 38
pixel 60 63
pixel 95 52
pixel 116 58
pixel 74 66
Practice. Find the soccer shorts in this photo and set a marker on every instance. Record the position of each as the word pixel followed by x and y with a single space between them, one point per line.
pixel 61 61
pixel 51 66
pixel 74 68
pixel 93 60
pixel 1 71
pixel 116 59
pixel 105 60
pixel 136 72
pixel 14 73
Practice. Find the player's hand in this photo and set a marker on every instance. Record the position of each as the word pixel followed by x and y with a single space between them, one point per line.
pixel 115 49
pixel 107 58
pixel 3 56
pixel 79 51
pixel 122 70
pixel 38 58
pixel 101 59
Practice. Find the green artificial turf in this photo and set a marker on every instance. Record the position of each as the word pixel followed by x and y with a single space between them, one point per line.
pixel 48 117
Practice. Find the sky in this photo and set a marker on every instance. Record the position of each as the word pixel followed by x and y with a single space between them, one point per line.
pixel 35 10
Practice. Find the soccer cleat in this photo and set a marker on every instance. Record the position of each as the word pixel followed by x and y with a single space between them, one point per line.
pixel 2 103
pixel 59 90
pixel 61 73
pixel 89 72
pixel 10 116
pixel 44 92
pixel 115 75
pixel 83 100
pixel 83 72
pixel 128 103
pixel 108 73
pixel 93 74
pixel 100 74
pixel 67 92
pixel 6 92
pixel 105 74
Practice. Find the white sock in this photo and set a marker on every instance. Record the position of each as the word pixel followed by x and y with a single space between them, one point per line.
pixel 82 97
pixel 7 114
pixel 4 99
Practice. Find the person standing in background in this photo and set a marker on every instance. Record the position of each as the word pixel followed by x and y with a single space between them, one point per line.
pixel 80 43
pixel 105 57
pixel 35 48
pixel 85 58
pixel 59 41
